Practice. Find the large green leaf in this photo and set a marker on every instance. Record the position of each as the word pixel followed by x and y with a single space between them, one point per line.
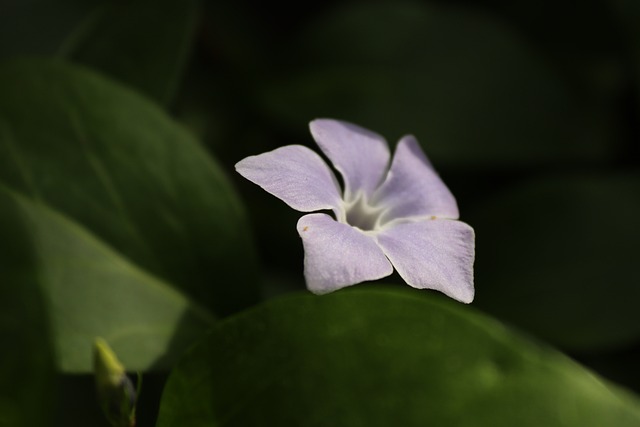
pixel 27 363
pixel 379 358
pixel 93 291
pixel 116 164
pixel 559 258
pixel 471 89
pixel 143 43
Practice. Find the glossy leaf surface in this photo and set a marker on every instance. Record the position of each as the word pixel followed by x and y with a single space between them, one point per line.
pixel 379 357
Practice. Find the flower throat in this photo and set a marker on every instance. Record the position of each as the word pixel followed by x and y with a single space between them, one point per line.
pixel 362 215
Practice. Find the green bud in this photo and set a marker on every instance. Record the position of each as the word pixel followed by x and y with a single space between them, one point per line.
pixel 116 393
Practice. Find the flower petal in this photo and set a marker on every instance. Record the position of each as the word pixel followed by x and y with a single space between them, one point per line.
pixel 433 254
pixel 295 174
pixel 413 188
pixel 361 156
pixel 337 255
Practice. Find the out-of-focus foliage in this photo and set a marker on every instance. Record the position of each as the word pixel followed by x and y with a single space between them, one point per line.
pixel 145 50
pixel 472 89
pixel 116 164
pixel 109 205
pixel 40 27
pixel 93 291
pixel 27 366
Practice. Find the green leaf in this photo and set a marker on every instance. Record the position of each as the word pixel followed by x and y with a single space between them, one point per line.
pixel 27 363
pixel 142 43
pixel 116 164
pixel 559 257
pixel 92 291
pixel 470 88
pixel 371 357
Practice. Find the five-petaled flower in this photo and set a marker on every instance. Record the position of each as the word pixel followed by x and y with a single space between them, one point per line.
pixel 400 216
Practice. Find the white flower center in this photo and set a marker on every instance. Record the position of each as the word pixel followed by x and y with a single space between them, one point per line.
pixel 363 215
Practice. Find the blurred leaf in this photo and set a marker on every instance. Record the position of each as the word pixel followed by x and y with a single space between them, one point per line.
pixel 142 43
pixel 559 258
pixel 92 291
pixel 27 363
pixel 29 27
pixel 378 358
pixel 621 365
pixel 467 85
pixel 113 162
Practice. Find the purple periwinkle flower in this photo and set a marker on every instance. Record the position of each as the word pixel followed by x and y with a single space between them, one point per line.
pixel 400 216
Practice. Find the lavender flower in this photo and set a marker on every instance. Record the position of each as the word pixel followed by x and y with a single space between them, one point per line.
pixel 400 216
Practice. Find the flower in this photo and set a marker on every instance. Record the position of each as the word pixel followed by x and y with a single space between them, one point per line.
pixel 400 216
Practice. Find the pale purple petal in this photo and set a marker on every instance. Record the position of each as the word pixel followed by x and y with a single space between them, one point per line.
pixel 413 188
pixel 295 174
pixel 361 156
pixel 433 254
pixel 337 255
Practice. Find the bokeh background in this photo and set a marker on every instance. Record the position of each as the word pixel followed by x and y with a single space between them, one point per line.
pixel 529 111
